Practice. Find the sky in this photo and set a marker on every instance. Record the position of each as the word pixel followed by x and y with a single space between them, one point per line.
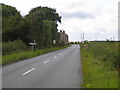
pixel 97 19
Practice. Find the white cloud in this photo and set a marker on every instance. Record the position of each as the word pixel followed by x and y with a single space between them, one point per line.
pixel 98 19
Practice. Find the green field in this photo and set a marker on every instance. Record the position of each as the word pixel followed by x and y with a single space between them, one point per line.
pixel 7 59
pixel 100 64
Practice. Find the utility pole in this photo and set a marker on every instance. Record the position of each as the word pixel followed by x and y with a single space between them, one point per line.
pixel 33 43
pixel 33 28
pixel 83 37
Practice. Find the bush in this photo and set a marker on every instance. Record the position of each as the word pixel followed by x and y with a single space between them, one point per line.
pixel 106 51
pixel 13 47
pixel 100 64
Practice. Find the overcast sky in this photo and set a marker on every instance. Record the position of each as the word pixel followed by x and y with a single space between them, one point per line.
pixel 97 19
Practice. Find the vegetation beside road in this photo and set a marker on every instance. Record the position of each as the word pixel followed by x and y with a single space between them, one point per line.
pixel 100 64
pixel 39 25
pixel 10 58
pixel 14 47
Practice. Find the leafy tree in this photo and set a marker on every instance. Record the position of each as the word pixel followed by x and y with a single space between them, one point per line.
pixel 11 19
pixel 48 13
pixel 44 22
pixel 48 34
pixel 25 30
pixel 39 25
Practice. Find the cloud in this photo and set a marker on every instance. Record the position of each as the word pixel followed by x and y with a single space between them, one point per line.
pixel 98 19
pixel 79 14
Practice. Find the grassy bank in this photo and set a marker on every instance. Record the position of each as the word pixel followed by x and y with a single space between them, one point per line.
pixel 7 59
pixel 99 63
pixel 15 46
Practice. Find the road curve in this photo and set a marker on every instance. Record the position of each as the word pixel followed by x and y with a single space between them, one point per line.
pixel 58 69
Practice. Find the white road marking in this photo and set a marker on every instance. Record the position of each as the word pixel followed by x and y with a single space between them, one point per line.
pixel 47 61
pixel 55 57
pixel 28 71
pixel 60 54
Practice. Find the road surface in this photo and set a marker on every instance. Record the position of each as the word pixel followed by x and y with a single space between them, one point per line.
pixel 58 69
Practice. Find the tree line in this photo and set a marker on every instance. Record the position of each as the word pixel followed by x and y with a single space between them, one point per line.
pixel 39 25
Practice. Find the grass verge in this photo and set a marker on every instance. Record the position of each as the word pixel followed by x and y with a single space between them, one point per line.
pixel 96 72
pixel 7 59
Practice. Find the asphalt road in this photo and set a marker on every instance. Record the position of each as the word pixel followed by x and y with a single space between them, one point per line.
pixel 58 69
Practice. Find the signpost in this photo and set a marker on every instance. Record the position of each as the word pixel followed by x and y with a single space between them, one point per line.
pixel 33 45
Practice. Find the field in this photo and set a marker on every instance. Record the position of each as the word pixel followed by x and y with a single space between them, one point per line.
pixel 100 64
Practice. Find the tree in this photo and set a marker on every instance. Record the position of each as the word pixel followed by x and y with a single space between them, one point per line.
pixel 48 13
pixel 47 33
pixel 11 19
pixel 44 23
pixel 39 25
pixel 25 30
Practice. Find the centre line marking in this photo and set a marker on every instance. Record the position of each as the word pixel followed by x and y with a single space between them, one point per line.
pixel 47 61
pixel 55 57
pixel 59 54
pixel 28 71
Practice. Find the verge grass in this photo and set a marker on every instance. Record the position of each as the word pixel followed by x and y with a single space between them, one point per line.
pixel 97 72
pixel 7 59
pixel 15 46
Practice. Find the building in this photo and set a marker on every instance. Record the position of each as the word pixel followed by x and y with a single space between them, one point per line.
pixel 63 37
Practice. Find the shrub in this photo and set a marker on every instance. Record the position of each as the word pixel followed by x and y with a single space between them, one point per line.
pixel 106 51
pixel 13 47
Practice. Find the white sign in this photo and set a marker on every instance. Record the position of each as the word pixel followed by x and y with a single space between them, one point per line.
pixel 54 42
pixel 32 43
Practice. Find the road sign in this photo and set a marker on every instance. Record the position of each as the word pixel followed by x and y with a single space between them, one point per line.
pixel 32 43
pixel 54 41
